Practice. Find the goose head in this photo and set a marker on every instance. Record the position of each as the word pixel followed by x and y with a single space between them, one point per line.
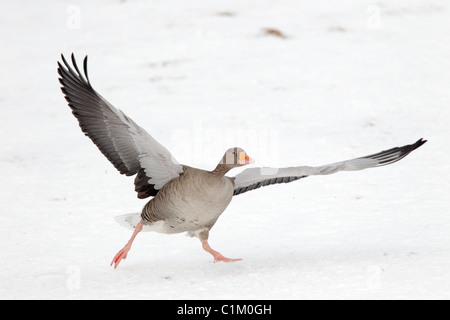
pixel 233 157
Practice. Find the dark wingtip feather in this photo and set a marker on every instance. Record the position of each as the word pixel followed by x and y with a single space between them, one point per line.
pixel 419 143
pixel 75 65
pixel 414 146
pixel 64 60
pixel 85 69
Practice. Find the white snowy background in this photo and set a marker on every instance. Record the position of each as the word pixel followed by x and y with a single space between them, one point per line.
pixel 292 82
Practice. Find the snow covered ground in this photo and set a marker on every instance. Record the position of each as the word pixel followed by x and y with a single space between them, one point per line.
pixel 292 82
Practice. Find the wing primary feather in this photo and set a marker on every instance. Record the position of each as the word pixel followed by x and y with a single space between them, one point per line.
pixel 86 71
pixel 74 62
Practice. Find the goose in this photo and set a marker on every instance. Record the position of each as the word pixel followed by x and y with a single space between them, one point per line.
pixel 183 198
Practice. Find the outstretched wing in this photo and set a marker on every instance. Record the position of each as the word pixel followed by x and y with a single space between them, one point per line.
pixel 255 178
pixel 126 145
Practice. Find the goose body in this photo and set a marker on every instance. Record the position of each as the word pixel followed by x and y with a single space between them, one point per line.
pixel 182 198
pixel 189 203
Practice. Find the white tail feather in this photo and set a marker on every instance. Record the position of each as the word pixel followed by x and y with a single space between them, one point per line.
pixel 129 220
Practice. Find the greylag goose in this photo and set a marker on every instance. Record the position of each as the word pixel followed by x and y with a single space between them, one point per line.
pixel 184 199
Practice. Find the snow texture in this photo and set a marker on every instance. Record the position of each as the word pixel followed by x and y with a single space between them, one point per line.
pixel 291 82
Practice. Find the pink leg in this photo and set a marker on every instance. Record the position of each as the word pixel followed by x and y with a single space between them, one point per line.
pixel 217 255
pixel 122 254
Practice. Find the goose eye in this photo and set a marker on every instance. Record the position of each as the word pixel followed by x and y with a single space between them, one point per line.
pixel 234 152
